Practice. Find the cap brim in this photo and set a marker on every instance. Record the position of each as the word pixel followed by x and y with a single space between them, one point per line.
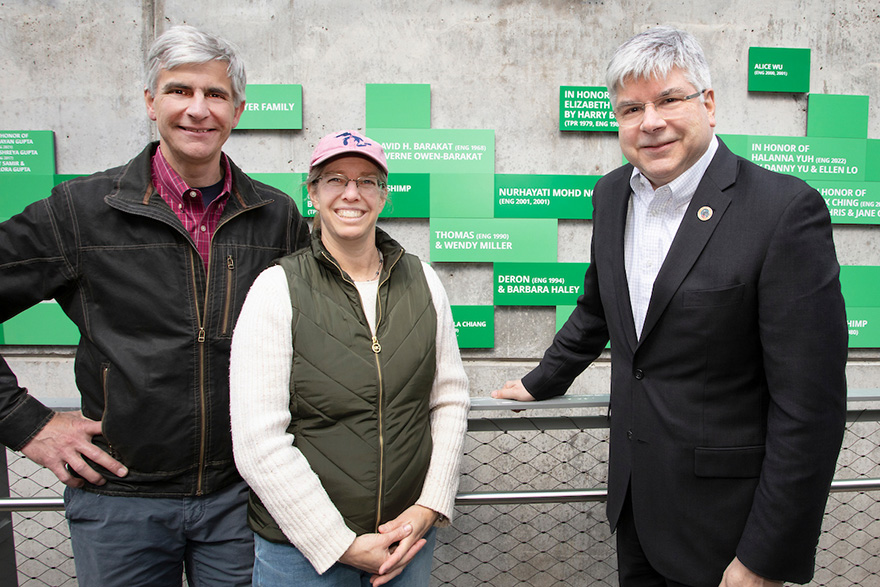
pixel 333 154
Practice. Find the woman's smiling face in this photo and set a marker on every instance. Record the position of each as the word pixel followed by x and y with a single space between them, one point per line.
pixel 347 217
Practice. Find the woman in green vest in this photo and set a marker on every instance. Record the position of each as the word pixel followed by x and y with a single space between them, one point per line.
pixel 348 397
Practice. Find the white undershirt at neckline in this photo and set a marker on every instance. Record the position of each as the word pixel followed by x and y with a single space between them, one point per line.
pixel 369 290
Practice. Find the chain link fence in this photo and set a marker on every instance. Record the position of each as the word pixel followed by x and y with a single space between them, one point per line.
pixel 521 545
pixel 42 544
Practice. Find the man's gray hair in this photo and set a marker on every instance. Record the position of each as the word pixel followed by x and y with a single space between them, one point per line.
pixel 186 45
pixel 654 54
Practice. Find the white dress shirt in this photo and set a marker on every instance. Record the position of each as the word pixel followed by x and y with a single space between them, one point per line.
pixel 652 220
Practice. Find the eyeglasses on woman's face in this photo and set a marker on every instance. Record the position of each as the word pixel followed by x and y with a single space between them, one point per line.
pixel 336 183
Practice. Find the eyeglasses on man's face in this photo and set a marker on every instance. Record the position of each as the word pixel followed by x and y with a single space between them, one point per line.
pixel 335 183
pixel 632 113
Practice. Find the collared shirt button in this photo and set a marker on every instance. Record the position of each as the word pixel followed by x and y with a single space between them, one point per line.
pixel 638 374
pixel 203 228
pixel 193 194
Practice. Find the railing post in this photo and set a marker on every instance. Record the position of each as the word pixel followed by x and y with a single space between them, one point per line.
pixel 7 540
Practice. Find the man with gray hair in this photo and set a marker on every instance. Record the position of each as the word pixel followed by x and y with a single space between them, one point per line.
pixel 717 283
pixel 152 261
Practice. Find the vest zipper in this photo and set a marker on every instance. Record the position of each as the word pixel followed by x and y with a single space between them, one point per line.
pixel 376 347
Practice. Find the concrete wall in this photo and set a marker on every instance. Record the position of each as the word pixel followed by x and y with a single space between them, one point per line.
pixel 76 67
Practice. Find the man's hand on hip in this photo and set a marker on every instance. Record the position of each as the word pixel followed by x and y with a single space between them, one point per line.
pixel 62 444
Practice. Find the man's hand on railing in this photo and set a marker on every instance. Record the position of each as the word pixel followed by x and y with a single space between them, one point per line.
pixel 738 575
pixel 515 390
pixel 61 445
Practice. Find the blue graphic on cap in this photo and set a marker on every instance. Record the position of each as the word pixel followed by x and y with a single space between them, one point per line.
pixel 358 141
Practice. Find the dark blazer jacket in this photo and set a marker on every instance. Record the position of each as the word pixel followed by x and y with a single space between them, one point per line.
pixel 728 414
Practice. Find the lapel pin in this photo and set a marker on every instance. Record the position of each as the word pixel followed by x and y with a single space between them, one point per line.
pixel 704 213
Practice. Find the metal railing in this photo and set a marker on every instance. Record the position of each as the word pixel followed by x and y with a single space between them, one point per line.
pixel 482 404
pixel 854 398
pixel 494 518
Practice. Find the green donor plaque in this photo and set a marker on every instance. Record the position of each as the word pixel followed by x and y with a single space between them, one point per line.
pixel 43 324
pixel 872 160
pixel 398 105
pixel 272 106
pixel 839 116
pixel 17 190
pixel 292 185
pixel 27 168
pixel 860 285
pixel 27 151
pixel 864 327
pixel 409 196
pixel 289 183
pixel 544 196
pixel 462 195
pixel 484 240
pixel 585 108
pixel 853 202
pixel 776 69
pixel 433 150
pixel 538 284
pixel 474 326
pixel 809 158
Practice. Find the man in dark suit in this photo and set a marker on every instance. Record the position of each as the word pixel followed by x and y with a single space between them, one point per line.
pixel 717 283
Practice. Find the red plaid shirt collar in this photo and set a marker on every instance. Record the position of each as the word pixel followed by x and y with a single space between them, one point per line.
pixel 187 203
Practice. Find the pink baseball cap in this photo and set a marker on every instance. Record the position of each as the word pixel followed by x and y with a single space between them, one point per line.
pixel 348 142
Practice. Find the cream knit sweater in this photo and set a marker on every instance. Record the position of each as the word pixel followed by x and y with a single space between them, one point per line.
pixel 260 413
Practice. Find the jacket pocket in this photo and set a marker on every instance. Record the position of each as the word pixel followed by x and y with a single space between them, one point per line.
pixel 726 296
pixel 740 462
pixel 228 299
pixel 105 389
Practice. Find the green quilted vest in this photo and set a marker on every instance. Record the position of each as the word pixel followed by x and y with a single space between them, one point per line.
pixel 359 406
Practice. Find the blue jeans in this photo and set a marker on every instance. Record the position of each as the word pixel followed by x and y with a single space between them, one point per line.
pixel 282 565
pixel 140 541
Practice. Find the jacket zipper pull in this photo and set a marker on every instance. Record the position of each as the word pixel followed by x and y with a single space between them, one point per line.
pixel 229 263
pixel 377 348
pixel 201 334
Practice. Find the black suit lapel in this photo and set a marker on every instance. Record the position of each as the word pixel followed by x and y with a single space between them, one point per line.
pixel 693 233
pixel 622 192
